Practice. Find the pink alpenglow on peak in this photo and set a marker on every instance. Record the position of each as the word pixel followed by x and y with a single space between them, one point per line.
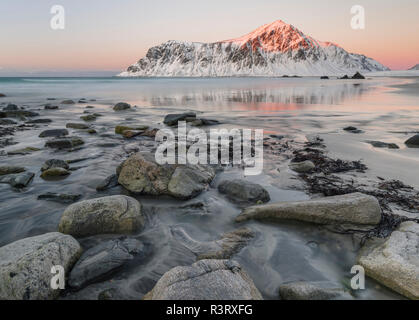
pixel 278 36
pixel 275 49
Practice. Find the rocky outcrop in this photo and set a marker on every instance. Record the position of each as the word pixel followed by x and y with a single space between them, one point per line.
pixel 25 265
pixel 114 214
pixel 141 174
pixel 303 290
pixel 355 208
pixel 101 260
pixel 240 190
pixel 205 280
pixel 394 262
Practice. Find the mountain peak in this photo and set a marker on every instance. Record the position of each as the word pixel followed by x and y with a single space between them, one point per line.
pixel 278 36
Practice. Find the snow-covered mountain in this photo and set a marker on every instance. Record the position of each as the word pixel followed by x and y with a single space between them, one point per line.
pixel 416 67
pixel 274 49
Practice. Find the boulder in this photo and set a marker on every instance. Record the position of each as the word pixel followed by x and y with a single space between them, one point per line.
pixel 173 119
pixel 21 114
pixel 358 76
pixel 11 107
pixel 394 261
pixel 18 180
pixel 189 181
pixel 89 117
pixel 36 121
pixel 60 197
pixel 25 265
pixel 55 163
pixel 67 102
pixel 102 260
pixel 379 144
pixel 302 167
pixel 81 126
pixel 354 208
pixel 7 122
pixel 23 151
pixel 11 169
pixel 122 106
pixel 205 280
pixel 413 142
pixel 242 190
pixel 53 133
pixel 50 107
pixel 66 143
pixel 114 214
pixel 141 174
pixel 54 172
pixel 2 95
pixel 304 290
pixel 108 183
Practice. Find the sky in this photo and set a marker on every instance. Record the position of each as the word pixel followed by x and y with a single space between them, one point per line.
pixel 104 36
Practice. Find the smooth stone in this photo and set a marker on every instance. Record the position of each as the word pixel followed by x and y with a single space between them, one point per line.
pixel 55 163
pixel 120 129
pixel 50 107
pixel 128 134
pixel 66 143
pixel 53 133
pixel 122 106
pixel 108 183
pixel 99 262
pixel 54 172
pixel 354 208
pixel 60 197
pixel 77 126
pixel 25 265
pixel 173 119
pixel 11 107
pixel 67 102
pixel 23 151
pixel 304 290
pixel 18 180
pixel 302 167
pixel 205 280
pixel 114 214
pixel 394 262
pixel 353 130
pixel 379 144
pixel 91 131
pixel 11 169
pixel 189 181
pixel 7 122
pixel 39 121
pixel 141 174
pixel 413 141
pixel 243 190
pixel 89 117
pixel 21 114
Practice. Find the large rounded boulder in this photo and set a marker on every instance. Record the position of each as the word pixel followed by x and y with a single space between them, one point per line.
pixel 114 214
pixel 25 265
pixel 205 280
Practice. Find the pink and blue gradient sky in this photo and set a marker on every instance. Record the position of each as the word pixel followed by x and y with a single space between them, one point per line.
pixel 110 35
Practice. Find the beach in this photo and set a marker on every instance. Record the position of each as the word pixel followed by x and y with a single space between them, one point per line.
pixel 293 112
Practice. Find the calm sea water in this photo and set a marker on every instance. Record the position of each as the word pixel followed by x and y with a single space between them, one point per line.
pixel 387 109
